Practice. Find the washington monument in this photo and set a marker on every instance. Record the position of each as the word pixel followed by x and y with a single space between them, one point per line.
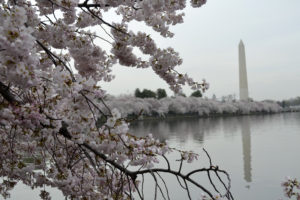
pixel 243 73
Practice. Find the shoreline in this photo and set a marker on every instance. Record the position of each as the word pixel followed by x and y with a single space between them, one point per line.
pixel 214 115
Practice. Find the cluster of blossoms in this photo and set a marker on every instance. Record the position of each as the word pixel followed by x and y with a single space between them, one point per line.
pixel 51 102
pixel 291 188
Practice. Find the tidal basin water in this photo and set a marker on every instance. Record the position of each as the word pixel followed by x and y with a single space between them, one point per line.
pixel 258 152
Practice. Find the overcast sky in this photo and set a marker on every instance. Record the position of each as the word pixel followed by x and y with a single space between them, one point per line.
pixel 208 43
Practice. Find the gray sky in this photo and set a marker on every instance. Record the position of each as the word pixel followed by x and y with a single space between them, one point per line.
pixel 208 43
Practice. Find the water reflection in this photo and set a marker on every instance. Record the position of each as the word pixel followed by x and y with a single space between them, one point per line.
pixel 180 129
pixel 246 141
pixel 200 128
pixel 246 146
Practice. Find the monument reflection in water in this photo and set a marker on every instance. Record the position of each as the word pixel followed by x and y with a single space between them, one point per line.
pixel 257 151
pixel 246 141
pixel 246 146
pixel 200 129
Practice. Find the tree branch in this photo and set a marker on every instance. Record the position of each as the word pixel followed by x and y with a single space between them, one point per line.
pixel 92 5
pixel 4 90
pixel 52 56
pixel 7 95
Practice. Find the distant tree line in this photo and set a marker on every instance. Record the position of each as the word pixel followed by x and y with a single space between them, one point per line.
pixel 197 93
pixel 290 102
pixel 160 93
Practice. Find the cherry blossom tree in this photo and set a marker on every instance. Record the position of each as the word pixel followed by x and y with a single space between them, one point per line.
pixel 131 106
pixel 52 106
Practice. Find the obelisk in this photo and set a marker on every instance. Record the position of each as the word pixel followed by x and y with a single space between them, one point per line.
pixel 243 73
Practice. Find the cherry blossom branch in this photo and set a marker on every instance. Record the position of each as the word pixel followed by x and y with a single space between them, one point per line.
pixel 44 113
pixel 6 93
pixel 291 188
pixel 92 5
pixel 106 23
pixel 52 56
pixel 90 101
pixel 60 6
pixel 106 159
pixel 93 35
pixel 134 174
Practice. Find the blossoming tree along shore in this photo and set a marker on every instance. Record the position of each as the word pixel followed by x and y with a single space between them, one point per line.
pixel 129 105
pixel 51 69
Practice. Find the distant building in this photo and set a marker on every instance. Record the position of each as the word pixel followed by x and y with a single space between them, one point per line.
pixel 244 95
